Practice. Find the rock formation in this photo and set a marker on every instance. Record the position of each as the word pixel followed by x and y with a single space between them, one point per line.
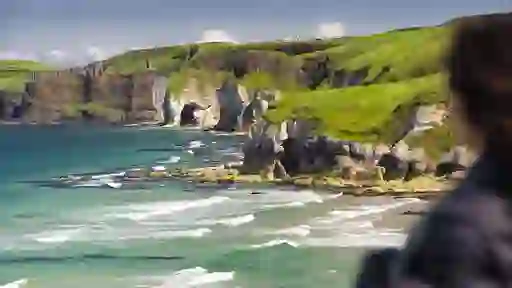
pixel 231 98
pixel 252 113
pixel 159 98
pixel 172 110
pixel 203 96
pixel 458 159
pixel 395 163
pixel 89 93
pixel 262 150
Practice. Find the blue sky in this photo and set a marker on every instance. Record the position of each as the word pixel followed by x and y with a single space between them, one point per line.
pixel 82 30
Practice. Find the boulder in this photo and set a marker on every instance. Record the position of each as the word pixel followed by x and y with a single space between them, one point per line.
pixel 300 128
pixel 356 151
pixel 262 149
pixel 347 167
pixel 395 163
pixel 458 159
pixel 380 150
pixel 418 164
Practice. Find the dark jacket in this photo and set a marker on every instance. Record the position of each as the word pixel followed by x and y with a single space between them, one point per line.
pixel 464 241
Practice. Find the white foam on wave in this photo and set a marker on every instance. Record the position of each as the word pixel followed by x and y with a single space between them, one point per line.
pixel 139 212
pixel 98 182
pixel 108 175
pixel 192 233
pixel 301 231
pixel 16 284
pixel 293 204
pixel 171 160
pixel 375 238
pixel 55 236
pixel 353 227
pixel 230 221
pixel 363 210
pixel 276 242
pixel 194 144
pixel 282 198
pixel 189 278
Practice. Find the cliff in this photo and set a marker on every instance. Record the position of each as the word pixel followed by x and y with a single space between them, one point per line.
pixel 358 88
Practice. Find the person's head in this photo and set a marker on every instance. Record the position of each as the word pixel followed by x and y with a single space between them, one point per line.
pixel 479 65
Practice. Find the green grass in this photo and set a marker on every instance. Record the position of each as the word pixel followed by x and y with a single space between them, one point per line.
pixel 436 141
pixel 373 111
pixel 408 54
pixel 362 113
pixel 13 73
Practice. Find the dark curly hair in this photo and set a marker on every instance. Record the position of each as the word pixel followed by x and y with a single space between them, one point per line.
pixel 479 65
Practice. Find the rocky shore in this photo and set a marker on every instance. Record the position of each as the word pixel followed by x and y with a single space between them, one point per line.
pixel 294 153
pixel 424 187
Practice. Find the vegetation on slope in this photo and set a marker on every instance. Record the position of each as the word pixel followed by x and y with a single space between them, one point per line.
pixel 361 112
pixel 407 54
pixel 13 73
pixel 399 69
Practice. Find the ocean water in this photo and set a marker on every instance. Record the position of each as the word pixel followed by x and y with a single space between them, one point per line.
pixel 172 233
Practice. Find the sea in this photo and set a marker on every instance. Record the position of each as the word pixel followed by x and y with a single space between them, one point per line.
pixel 168 233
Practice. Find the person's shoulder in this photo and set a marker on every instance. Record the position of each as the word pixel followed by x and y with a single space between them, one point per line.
pixel 471 202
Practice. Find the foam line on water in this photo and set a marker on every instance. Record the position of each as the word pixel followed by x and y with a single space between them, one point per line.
pixel 188 278
pixel 139 212
pixel 300 231
pixel 230 221
pixel 16 284
pixel 87 234
pixel 275 242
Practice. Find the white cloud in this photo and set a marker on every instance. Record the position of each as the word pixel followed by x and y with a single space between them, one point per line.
pixel 330 30
pixel 95 54
pixel 216 35
pixel 57 55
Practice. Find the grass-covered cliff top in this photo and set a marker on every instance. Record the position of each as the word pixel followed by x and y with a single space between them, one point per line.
pixel 386 72
pixel 14 72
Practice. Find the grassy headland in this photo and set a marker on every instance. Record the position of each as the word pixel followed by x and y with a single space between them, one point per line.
pixel 384 76
pixel 396 70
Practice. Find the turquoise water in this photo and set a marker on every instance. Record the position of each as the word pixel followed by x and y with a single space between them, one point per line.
pixel 167 234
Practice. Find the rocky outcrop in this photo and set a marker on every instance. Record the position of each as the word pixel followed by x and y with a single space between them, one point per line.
pixel 203 96
pixel 459 159
pixel 256 108
pixel 172 108
pixel 344 78
pixel 262 150
pixel 231 98
pixel 299 151
pixel 395 163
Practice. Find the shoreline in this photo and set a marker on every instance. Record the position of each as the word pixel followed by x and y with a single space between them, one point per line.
pixel 423 187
